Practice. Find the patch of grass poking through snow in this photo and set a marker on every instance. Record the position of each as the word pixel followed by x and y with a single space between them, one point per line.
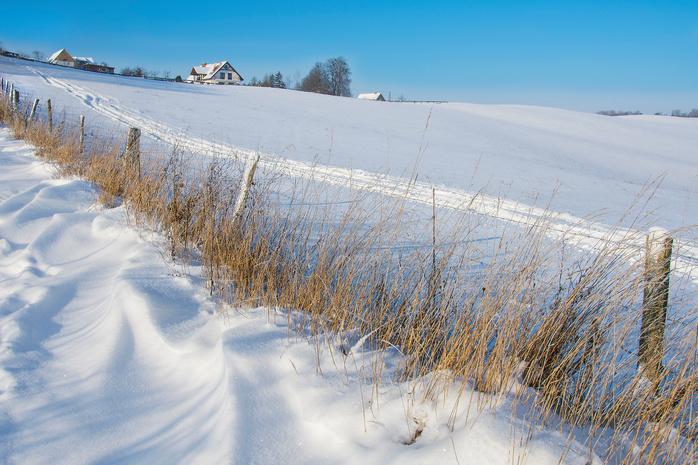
pixel 516 314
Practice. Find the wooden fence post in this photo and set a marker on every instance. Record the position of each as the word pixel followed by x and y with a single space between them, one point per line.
pixel 33 112
pixel 133 151
pixel 16 100
pixel 82 133
pixel 655 302
pixel 50 115
pixel 245 187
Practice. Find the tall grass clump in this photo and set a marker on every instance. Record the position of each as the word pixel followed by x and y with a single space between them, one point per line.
pixel 545 314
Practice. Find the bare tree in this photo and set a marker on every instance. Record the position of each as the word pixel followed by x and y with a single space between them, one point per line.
pixel 316 80
pixel 332 77
pixel 296 81
pixel 38 56
pixel 138 71
pixel 338 76
pixel 166 74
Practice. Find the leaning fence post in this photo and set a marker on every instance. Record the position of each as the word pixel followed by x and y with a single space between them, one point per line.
pixel 33 112
pixel 655 302
pixel 50 115
pixel 82 133
pixel 245 187
pixel 133 151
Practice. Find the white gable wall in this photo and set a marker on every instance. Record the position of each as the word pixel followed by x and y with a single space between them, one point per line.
pixel 62 58
pixel 224 75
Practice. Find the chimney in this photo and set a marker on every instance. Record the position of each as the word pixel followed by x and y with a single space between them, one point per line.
pixel 203 64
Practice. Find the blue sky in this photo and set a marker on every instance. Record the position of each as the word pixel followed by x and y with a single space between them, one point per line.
pixel 583 55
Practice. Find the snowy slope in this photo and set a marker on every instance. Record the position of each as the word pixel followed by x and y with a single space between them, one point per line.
pixel 591 162
pixel 514 157
pixel 109 356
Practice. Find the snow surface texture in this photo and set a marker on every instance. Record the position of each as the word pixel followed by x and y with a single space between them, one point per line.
pixel 586 163
pixel 109 356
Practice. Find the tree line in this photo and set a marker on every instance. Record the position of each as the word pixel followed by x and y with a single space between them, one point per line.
pixel 332 77
pixel 691 114
pixel 140 71
pixel 270 80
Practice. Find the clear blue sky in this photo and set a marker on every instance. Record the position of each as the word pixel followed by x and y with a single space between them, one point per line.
pixel 584 55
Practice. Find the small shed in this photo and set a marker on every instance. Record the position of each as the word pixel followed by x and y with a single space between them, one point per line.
pixel 377 96
pixel 62 58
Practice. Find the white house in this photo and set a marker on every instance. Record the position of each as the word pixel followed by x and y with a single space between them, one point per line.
pixel 377 96
pixel 214 73
pixel 62 58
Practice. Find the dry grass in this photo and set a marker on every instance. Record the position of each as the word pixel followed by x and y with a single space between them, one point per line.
pixel 517 311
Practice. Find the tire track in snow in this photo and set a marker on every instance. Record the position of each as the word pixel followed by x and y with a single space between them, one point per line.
pixel 580 232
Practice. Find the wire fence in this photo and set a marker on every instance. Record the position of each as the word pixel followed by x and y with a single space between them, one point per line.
pixel 685 250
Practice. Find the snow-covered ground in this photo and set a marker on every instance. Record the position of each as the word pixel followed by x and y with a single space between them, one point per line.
pixel 110 354
pixel 513 157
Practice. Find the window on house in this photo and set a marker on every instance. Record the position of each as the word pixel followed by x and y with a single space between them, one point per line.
pixel 230 76
pixel 222 75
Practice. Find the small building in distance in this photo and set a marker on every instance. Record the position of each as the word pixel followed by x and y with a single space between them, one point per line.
pixel 88 64
pixel 377 96
pixel 62 58
pixel 214 73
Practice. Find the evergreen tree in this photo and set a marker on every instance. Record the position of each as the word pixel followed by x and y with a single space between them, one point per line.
pixel 279 81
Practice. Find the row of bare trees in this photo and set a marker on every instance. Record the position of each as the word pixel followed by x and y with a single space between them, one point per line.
pixel 691 114
pixel 139 71
pixel 332 77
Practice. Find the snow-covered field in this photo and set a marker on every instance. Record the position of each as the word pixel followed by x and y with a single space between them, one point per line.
pixel 513 157
pixel 110 355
